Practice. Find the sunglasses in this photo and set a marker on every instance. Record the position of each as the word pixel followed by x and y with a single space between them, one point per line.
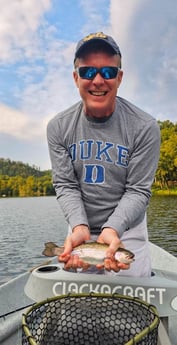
pixel 89 72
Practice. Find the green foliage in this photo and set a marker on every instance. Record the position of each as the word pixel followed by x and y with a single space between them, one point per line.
pixel 166 175
pixel 13 168
pixel 19 179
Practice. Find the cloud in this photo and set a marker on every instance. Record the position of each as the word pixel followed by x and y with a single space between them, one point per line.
pixel 122 17
pixel 95 15
pixel 49 89
pixel 19 21
pixel 146 31
pixel 19 125
pixel 44 83
pixel 36 57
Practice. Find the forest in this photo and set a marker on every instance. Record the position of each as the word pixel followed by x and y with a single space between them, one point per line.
pixel 20 180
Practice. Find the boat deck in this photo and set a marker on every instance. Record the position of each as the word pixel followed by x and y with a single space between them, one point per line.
pixel 12 298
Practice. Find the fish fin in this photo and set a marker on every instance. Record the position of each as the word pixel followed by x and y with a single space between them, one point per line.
pixel 84 270
pixel 51 249
pixel 51 245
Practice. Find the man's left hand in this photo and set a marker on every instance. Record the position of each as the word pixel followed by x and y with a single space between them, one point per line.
pixel 109 236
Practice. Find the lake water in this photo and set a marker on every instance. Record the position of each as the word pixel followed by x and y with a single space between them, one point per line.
pixel 27 223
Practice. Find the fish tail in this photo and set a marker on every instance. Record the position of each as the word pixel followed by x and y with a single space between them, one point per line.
pixel 51 249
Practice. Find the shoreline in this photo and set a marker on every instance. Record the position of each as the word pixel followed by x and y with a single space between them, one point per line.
pixel 164 192
pixel 156 192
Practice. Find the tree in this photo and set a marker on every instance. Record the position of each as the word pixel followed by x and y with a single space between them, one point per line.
pixel 167 167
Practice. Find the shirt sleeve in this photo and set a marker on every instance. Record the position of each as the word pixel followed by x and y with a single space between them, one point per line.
pixel 140 176
pixel 64 180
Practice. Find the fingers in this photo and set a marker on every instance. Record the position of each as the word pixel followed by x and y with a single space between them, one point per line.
pixel 113 265
pixel 110 237
pixel 110 265
pixel 64 257
pixel 75 262
pixel 123 266
pixel 79 235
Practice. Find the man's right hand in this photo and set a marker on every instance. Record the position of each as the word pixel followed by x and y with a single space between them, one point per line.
pixel 79 235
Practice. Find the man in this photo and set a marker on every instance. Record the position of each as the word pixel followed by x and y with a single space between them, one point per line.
pixel 104 153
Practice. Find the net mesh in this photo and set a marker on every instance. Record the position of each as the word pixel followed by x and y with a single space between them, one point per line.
pixel 91 319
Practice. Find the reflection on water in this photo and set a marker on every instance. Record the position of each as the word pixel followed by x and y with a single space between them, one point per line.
pixel 27 223
pixel 162 222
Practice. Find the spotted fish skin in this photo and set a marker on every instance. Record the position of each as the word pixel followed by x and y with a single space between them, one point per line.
pixel 92 253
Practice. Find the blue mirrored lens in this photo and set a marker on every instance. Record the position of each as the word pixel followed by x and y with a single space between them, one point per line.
pixel 90 72
pixel 107 72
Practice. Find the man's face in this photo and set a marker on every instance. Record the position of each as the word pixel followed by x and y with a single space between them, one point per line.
pixel 99 94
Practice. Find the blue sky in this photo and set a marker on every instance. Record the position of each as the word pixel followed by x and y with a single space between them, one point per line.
pixel 37 44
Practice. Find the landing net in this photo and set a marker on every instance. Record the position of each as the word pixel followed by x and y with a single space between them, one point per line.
pixel 90 319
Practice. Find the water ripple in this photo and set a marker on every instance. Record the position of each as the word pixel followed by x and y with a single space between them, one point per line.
pixel 27 223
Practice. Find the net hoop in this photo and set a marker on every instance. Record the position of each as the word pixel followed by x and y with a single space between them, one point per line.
pixel 135 340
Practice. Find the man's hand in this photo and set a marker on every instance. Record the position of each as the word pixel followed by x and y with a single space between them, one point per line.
pixel 110 237
pixel 79 235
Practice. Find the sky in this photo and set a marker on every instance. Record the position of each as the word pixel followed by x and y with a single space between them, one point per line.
pixel 37 45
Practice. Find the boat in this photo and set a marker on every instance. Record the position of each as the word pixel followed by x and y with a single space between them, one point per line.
pixel 50 279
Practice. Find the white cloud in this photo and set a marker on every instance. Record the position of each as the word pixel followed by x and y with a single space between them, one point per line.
pixel 95 19
pixel 47 86
pixel 44 60
pixel 19 21
pixel 146 31
pixel 55 90
pixel 19 125
pixel 122 16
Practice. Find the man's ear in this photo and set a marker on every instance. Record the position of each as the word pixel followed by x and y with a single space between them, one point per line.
pixel 120 75
pixel 119 78
pixel 75 76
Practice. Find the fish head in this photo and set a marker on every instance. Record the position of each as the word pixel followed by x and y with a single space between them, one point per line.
pixel 124 256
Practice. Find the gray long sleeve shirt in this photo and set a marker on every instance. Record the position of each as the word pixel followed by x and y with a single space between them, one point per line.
pixel 103 170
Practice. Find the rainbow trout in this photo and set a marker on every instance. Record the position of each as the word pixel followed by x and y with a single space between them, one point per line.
pixel 92 253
